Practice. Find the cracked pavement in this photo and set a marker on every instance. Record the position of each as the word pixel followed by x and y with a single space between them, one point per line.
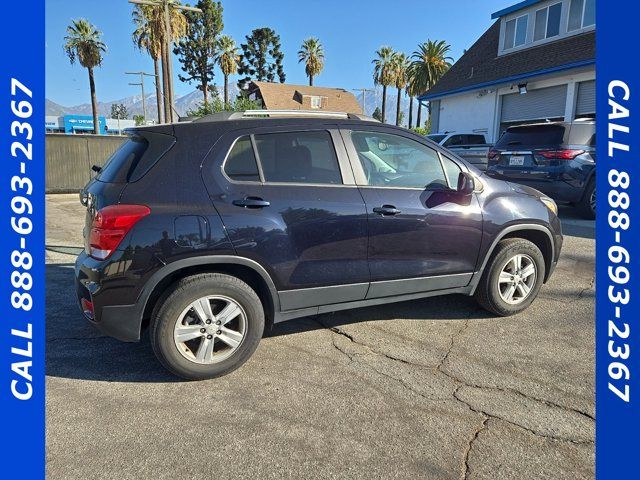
pixel 434 388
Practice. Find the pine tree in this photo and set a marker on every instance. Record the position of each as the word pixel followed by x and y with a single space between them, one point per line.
pixel 261 58
pixel 196 50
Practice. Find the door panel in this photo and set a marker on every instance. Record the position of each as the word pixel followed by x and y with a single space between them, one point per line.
pixel 421 241
pixel 414 231
pixel 307 235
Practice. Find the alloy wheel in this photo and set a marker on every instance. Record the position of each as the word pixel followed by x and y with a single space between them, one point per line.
pixel 210 329
pixel 517 279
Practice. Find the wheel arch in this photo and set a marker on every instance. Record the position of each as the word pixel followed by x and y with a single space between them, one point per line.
pixel 539 235
pixel 246 269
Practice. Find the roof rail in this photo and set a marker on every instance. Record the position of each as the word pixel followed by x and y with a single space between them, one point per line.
pixel 222 116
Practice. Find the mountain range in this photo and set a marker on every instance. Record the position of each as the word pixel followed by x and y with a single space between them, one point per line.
pixel 193 99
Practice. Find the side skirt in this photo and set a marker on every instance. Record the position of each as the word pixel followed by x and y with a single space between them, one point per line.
pixel 305 312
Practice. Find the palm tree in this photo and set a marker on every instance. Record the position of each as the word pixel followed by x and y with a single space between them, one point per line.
pixel 401 66
pixel 430 62
pixel 153 17
pixel 383 74
pixel 83 44
pixel 312 54
pixel 227 58
pixel 146 38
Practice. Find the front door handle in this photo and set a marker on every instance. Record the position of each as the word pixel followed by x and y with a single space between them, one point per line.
pixel 251 202
pixel 386 210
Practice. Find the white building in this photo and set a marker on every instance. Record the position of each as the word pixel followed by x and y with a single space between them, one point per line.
pixel 536 62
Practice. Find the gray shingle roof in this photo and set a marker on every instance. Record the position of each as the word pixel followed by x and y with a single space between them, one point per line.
pixel 480 65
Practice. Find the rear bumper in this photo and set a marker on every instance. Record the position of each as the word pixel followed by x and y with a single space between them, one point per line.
pixel 122 322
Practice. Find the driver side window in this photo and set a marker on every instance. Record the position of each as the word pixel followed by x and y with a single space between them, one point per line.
pixel 394 161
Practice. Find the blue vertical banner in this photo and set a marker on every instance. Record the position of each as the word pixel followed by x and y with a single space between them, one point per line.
pixel 22 278
pixel 618 241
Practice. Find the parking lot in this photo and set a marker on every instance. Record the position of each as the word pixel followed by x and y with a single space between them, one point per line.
pixel 434 388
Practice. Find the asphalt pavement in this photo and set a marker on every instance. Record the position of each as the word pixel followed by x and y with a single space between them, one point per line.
pixel 434 388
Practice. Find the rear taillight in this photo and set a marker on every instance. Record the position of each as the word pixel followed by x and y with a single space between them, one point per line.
pixel 110 225
pixel 87 308
pixel 564 154
pixel 492 153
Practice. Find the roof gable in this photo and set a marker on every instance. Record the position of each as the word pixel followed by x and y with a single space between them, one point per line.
pixel 481 66
pixel 292 97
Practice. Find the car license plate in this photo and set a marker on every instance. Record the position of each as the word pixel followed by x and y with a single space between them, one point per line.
pixel 516 160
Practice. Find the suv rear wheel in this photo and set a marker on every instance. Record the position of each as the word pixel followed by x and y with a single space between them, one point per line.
pixel 207 326
pixel 587 205
pixel 512 278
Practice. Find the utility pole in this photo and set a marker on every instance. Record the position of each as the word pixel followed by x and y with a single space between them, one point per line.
pixel 364 97
pixel 141 84
pixel 144 109
pixel 167 5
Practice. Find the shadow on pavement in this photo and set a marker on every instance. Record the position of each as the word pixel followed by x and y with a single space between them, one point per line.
pixel 75 349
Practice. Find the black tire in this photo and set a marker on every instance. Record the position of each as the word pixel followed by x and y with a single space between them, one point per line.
pixel 585 208
pixel 488 294
pixel 180 297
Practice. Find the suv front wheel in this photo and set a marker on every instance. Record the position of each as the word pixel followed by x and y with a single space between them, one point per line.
pixel 512 278
pixel 207 326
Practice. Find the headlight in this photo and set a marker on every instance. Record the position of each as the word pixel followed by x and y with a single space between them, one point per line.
pixel 551 205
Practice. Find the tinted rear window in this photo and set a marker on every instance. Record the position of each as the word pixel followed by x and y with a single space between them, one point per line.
pixel 241 163
pixel 135 157
pixel 298 157
pixel 122 159
pixel 475 140
pixel 534 136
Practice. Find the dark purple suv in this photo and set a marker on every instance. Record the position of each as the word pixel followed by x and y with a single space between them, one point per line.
pixel 210 231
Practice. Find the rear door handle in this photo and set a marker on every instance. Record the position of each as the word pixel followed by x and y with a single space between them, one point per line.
pixel 251 202
pixel 386 210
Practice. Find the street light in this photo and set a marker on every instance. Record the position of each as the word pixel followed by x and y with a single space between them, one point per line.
pixel 166 5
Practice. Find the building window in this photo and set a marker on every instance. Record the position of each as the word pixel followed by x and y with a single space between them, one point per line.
pixel 316 102
pixel 547 22
pixel 516 32
pixel 582 13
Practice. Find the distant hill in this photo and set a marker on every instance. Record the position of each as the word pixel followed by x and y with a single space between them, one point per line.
pixel 191 101
pixel 133 103
pixel 52 108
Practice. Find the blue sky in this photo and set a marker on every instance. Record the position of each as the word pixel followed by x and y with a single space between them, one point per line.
pixel 350 30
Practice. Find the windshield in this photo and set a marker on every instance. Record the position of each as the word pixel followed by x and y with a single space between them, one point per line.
pixel 436 137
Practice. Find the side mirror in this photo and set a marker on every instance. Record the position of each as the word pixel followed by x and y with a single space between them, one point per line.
pixel 466 183
pixel 96 168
